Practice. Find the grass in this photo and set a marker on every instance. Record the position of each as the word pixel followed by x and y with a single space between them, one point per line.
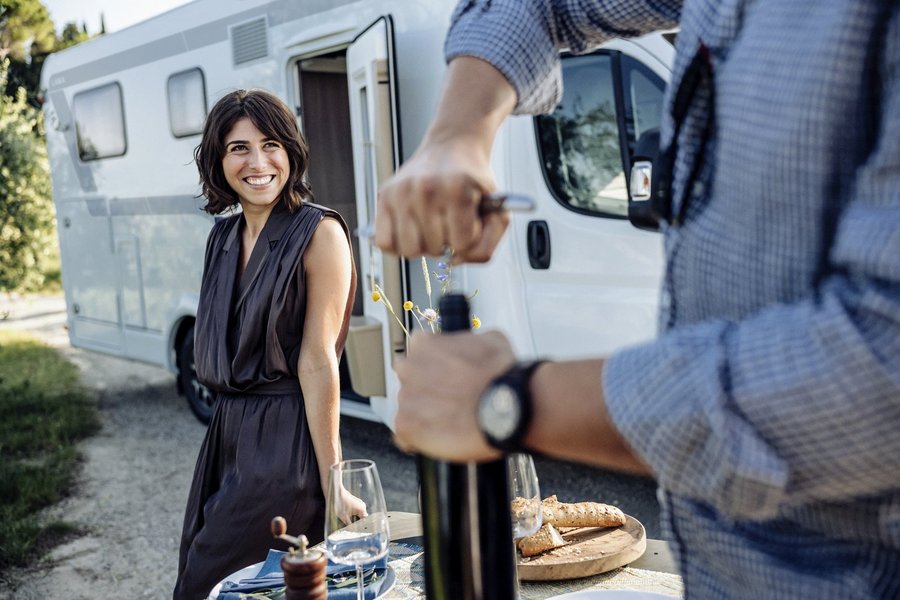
pixel 44 411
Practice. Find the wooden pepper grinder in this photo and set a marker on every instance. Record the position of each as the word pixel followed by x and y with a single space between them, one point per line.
pixel 304 570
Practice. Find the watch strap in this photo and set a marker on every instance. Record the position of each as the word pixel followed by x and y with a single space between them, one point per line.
pixel 518 377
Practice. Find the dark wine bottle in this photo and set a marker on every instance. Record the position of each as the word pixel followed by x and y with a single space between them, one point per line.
pixel 469 553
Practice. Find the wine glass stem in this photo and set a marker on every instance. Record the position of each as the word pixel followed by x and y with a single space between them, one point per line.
pixel 360 588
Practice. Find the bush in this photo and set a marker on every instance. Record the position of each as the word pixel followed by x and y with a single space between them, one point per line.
pixel 27 225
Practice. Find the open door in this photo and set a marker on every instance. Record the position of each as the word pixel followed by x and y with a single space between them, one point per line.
pixel 375 338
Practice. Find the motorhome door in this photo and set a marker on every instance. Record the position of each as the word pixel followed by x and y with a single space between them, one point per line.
pixel 375 338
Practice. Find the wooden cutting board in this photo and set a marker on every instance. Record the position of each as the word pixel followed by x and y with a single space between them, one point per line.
pixel 591 550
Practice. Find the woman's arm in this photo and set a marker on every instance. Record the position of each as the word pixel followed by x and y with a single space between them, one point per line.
pixel 327 264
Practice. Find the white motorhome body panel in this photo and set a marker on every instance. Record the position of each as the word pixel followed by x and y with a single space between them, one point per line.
pixel 132 234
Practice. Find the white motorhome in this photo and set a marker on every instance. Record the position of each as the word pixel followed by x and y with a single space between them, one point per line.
pixel 125 111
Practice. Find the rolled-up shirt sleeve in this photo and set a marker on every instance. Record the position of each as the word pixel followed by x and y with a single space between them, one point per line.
pixel 522 38
pixel 801 402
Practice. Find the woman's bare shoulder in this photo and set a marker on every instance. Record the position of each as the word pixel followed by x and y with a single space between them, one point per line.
pixel 329 243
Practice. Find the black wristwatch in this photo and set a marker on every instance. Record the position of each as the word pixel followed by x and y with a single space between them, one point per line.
pixel 505 408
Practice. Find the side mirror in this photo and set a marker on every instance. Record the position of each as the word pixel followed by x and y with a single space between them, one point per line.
pixel 644 182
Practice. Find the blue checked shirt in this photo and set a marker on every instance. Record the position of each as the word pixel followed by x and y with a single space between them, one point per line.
pixel 769 408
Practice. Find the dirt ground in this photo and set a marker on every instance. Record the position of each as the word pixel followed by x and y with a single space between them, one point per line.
pixel 131 493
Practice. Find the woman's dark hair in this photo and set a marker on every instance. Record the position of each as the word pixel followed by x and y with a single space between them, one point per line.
pixel 274 119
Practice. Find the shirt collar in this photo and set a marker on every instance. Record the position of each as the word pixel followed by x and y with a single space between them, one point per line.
pixel 278 221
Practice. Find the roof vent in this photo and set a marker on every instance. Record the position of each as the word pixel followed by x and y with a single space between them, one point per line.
pixel 249 41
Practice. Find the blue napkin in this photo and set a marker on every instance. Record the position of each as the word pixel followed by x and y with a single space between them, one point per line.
pixel 270 578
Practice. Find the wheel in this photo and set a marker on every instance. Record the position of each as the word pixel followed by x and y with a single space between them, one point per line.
pixel 200 398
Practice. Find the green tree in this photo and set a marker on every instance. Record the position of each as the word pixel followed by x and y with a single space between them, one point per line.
pixel 25 29
pixel 27 36
pixel 27 226
pixel 70 35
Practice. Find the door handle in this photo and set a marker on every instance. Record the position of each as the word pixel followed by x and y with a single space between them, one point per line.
pixel 539 244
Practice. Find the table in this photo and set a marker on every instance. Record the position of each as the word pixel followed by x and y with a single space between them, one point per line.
pixel 655 571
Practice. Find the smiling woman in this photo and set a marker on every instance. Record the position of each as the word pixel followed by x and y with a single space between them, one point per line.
pixel 278 287
pixel 256 166
pixel 251 134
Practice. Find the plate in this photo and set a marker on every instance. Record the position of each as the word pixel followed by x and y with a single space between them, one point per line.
pixel 235 577
pixel 611 595
pixel 591 550
pixel 250 571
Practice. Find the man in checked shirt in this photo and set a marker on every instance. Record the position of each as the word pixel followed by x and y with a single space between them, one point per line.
pixel 768 409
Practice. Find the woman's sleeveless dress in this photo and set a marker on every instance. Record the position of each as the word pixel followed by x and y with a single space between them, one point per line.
pixel 257 460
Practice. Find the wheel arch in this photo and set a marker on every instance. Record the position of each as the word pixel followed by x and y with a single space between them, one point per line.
pixel 182 318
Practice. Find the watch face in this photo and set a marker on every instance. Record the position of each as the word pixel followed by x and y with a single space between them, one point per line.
pixel 500 412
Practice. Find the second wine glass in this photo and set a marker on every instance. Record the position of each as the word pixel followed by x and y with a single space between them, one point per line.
pixel 525 494
pixel 356 520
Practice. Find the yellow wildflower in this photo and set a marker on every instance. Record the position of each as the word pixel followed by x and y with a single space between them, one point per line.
pixel 376 296
pixel 408 305
pixel 476 322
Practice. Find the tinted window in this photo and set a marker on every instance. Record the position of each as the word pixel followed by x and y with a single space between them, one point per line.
pixel 187 102
pixel 580 141
pixel 100 122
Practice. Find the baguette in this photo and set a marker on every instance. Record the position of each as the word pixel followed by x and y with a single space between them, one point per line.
pixel 580 514
pixel 547 538
pixel 522 508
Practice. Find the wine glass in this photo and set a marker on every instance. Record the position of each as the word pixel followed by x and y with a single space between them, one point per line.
pixel 356 520
pixel 525 495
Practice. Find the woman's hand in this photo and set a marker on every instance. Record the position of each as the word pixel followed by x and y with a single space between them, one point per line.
pixel 350 508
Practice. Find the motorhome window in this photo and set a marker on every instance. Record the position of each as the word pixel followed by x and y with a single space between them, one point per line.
pixel 579 141
pixel 100 122
pixel 644 93
pixel 186 92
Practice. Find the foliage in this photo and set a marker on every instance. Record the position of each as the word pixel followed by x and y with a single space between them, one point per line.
pixel 27 227
pixel 71 34
pixel 27 38
pixel 28 251
pixel 25 29
pixel 44 410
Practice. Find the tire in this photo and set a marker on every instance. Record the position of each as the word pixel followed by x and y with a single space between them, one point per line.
pixel 199 397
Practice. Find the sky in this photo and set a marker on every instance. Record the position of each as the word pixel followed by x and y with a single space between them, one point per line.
pixel 118 14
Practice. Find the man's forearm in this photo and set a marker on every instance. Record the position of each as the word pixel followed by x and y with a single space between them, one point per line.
pixel 571 421
pixel 475 100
